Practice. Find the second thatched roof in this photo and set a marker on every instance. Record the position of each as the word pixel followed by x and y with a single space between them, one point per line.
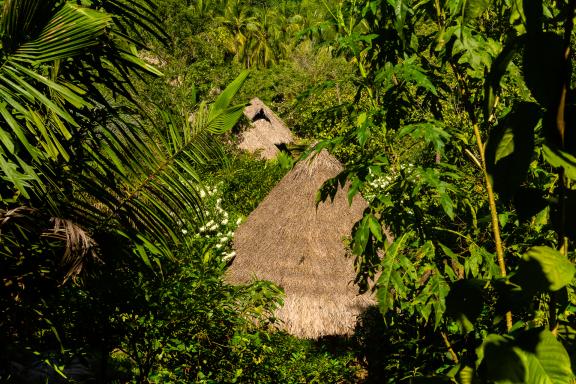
pixel 267 131
pixel 288 241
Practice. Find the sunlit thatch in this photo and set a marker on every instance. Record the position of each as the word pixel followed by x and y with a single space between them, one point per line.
pixel 266 131
pixel 288 241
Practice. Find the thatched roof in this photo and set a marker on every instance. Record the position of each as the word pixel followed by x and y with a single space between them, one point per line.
pixel 266 131
pixel 288 241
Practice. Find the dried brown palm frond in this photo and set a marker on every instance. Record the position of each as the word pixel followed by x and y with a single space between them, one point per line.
pixel 79 246
pixel 17 213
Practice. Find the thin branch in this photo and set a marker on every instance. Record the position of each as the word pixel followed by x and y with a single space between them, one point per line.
pixel 490 191
pixel 453 354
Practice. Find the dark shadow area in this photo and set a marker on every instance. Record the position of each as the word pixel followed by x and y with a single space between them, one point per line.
pixel 396 348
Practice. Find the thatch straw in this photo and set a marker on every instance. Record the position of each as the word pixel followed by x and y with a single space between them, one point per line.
pixel 266 131
pixel 288 241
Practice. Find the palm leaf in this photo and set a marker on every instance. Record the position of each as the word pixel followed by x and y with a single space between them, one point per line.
pixel 68 33
pixel 58 57
pixel 146 184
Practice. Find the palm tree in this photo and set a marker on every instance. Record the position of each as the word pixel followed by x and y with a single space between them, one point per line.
pixel 77 164
pixel 266 32
pixel 69 150
pixel 237 21
pixel 84 176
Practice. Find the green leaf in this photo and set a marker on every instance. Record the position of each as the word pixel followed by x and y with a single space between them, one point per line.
pixel 432 132
pixel 535 356
pixel 499 361
pixel 555 267
pixel 497 70
pixel 68 33
pixel 466 375
pixel 384 293
pixel 560 159
pixel 474 8
pixel 510 149
pixel 225 98
pixel 361 236
pixel 506 145
pixel 548 362
pixel 375 227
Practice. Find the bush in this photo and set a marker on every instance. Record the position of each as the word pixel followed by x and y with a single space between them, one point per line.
pixel 244 180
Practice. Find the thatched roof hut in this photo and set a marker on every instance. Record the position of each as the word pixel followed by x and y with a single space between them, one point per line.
pixel 288 241
pixel 266 132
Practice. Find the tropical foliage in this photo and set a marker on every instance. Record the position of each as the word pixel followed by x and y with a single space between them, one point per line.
pixel 120 190
pixel 470 172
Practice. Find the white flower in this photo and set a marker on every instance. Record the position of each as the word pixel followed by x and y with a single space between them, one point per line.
pixel 202 194
pixel 225 214
pixel 218 201
pixel 218 246
pixel 202 228
pixel 184 231
pixel 230 234
pixel 228 256
pixel 210 223
pixel 214 227
pixel 223 239
pixel 225 221
pixel 238 221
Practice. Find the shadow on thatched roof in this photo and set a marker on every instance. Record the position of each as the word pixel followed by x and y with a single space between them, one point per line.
pixel 288 241
pixel 267 131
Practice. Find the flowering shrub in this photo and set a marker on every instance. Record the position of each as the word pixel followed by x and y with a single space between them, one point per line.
pixel 217 231
pixel 379 182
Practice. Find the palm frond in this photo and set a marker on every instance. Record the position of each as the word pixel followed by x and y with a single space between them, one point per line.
pixel 68 33
pixel 57 60
pixel 79 246
pixel 147 184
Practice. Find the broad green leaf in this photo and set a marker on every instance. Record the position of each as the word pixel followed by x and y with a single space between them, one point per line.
pixel 545 359
pixel 560 159
pixel 384 293
pixel 555 267
pixel 474 8
pixel 499 361
pixel 361 236
pixel 375 227
pixel 505 146
pixel 510 148
pixel 466 375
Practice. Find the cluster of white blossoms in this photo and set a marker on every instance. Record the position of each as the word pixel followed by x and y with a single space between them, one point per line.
pixel 219 225
pixel 379 184
pixel 208 192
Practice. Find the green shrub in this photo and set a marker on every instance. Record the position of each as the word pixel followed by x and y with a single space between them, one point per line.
pixel 244 180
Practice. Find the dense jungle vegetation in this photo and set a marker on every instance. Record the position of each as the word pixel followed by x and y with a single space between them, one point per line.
pixel 455 120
